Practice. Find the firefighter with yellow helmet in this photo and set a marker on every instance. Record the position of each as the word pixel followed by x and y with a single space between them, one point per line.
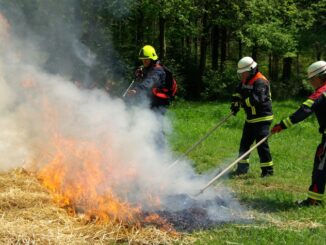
pixel 253 94
pixel 316 103
pixel 155 87
pixel 155 82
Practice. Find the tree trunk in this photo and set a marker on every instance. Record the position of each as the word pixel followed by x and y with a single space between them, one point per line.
pixel 240 48
pixel 254 52
pixel 196 50
pixel 162 49
pixel 223 48
pixel 215 46
pixel 203 51
pixel 270 66
pixel 287 71
pixel 140 25
pixel 188 45
pixel 319 48
pixel 297 66
pixel 275 69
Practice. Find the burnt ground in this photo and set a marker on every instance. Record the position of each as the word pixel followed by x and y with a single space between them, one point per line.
pixel 187 214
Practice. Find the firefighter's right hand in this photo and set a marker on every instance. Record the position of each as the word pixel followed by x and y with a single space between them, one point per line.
pixel 139 73
pixel 277 128
pixel 235 107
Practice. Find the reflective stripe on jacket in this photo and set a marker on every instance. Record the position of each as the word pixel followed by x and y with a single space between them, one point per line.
pixel 316 103
pixel 255 98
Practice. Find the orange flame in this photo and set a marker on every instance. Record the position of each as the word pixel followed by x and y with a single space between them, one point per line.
pixel 84 181
pixel 78 178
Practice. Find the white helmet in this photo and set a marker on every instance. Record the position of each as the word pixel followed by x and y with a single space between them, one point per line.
pixel 316 69
pixel 246 64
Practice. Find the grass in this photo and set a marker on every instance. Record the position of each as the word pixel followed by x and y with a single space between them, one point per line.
pixel 271 200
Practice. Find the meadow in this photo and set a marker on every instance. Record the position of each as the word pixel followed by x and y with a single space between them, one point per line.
pixel 277 220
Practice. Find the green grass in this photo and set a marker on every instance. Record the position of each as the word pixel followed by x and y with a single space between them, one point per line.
pixel 271 200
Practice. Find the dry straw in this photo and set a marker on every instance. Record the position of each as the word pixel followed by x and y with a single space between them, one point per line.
pixel 28 216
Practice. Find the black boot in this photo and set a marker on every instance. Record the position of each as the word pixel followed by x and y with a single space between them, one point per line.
pixel 242 168
pixel 308 202
pixel 267 171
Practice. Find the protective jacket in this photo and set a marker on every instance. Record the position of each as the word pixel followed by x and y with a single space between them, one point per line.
pixel 153 78
pixel 315 103
pixel 255 97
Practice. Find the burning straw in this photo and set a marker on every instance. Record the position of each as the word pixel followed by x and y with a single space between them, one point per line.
pixel 94 154
pixel 29 216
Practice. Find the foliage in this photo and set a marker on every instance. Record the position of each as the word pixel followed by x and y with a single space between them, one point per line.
pixel 195 35
pixel 219 85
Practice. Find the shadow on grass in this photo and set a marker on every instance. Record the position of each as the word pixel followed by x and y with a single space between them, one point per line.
pixel 269 204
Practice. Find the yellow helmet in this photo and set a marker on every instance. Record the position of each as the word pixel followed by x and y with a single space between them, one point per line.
pixel 147 52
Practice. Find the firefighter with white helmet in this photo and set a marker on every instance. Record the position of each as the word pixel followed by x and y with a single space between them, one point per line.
pixel 316 103
pixel 253 94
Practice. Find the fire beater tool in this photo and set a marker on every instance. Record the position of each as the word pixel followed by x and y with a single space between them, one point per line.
pixel 127 90
pixel 201 140
pixel 232 164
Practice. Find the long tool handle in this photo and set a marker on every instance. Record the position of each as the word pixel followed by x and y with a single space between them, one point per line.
pixel 125 93
pixel 233 163
pixel 201 140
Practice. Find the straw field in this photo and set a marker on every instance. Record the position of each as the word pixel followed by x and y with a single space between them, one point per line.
pixel 29 216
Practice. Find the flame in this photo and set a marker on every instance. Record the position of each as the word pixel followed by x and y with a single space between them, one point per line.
pixel 83 180
pixel 28 83
pixel 78 172
pixel 79 178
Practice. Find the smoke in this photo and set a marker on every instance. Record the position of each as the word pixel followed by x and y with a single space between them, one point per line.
pixel 45 117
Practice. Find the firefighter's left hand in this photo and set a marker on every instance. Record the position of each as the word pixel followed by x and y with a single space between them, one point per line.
pixel 131 92
pixel 277 128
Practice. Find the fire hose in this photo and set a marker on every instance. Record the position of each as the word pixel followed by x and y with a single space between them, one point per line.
pixel 233 163
pixel 200 140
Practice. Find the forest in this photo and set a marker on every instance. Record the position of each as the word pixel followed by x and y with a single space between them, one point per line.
pixel 200 41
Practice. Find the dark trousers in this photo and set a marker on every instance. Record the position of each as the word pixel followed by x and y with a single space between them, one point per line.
pixel 318 179
pixel 255 132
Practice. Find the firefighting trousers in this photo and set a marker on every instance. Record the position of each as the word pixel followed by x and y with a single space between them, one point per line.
pixel 255 132
pixel 159 137
pixel 318 180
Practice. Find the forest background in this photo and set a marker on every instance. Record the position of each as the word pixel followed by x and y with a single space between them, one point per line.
pixel 200 41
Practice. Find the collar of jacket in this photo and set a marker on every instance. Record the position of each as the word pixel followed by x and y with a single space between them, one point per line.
pixel 252 80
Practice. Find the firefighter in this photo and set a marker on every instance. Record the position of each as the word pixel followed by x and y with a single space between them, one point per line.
pixel 253 94
pixel 150 87
pixel 150 77
pixel 316 103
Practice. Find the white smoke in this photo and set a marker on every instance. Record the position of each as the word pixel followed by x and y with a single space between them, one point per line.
pixel 36 107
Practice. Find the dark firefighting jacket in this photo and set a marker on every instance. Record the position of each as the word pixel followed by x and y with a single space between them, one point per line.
pixel 315 103
pixel 153 77
pixel 255 97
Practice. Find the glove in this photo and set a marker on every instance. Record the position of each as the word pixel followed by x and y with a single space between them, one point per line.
pixel 139 72
pixel 277 128
pixel 235 107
